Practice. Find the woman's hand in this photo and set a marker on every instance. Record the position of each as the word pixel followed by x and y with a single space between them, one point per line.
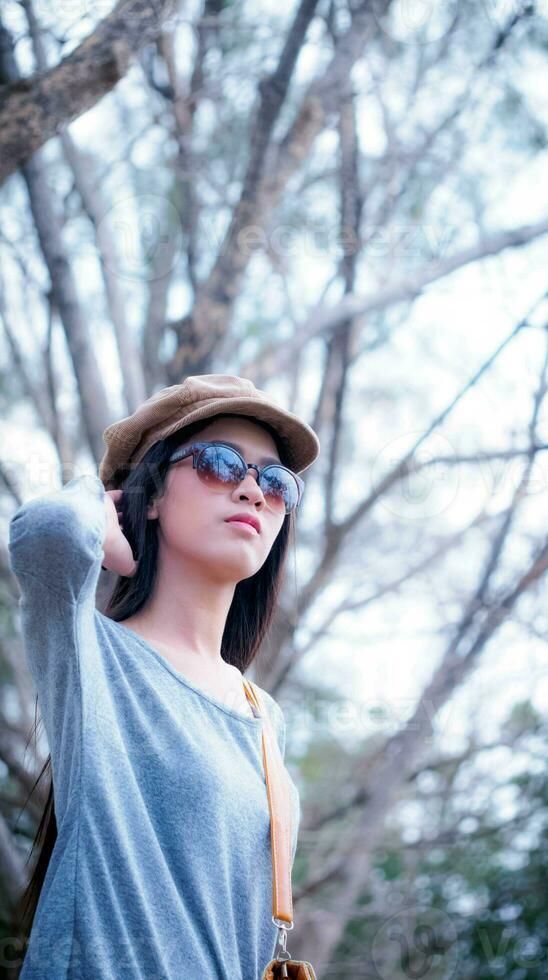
pixel 118 554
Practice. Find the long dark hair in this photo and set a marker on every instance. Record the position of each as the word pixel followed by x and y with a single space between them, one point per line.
pixel 247 623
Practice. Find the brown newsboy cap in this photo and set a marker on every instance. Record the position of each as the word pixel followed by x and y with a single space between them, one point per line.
pixel 201 396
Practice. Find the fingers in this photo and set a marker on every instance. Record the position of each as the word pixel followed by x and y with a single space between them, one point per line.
pixel 116 497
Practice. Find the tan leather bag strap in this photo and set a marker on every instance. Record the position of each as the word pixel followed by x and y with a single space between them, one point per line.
pixel 279 802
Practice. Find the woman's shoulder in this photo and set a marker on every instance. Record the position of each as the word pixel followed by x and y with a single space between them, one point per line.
pixel 269 702
pixel 274 711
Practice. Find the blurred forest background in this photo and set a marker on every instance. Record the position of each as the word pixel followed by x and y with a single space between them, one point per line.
pixel 342 201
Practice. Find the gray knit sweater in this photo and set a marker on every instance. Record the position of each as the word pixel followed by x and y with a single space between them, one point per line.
pixel 162 868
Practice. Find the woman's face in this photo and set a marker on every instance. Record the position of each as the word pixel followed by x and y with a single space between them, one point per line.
pixel 193 519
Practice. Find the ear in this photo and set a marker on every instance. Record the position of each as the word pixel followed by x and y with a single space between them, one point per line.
pixel 152 511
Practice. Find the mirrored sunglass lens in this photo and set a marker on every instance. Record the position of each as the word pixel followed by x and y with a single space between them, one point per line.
pixel 219 467
pixel 279 488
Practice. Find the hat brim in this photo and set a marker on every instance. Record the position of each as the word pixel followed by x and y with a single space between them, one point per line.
pixel 299 442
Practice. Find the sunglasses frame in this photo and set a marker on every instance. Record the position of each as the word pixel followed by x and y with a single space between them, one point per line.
pixel 197 448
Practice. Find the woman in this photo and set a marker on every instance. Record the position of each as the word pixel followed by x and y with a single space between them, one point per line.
pixel 157 863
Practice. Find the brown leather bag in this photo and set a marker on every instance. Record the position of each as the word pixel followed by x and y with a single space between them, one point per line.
pixel 282 967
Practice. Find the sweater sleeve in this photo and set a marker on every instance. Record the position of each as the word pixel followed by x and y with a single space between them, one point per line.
pixel 55 550
pixel 56 540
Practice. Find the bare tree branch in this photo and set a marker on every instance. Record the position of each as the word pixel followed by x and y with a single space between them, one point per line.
pixel 12 865
pixel 185 167
pixel 64 294
pixel 385 778
pixel 323 319
pixel 32 109
pixel 82 169
pixel 217 294
pixel 337 534
pixel 330 405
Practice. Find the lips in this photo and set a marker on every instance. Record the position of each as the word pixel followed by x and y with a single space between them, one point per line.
pixel 246 519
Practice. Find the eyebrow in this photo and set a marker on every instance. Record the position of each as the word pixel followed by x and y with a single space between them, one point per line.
pixel 234 445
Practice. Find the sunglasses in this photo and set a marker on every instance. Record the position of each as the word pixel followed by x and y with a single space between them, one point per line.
pixel 222 468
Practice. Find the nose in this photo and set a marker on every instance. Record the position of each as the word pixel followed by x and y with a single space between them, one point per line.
pixel 250 488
